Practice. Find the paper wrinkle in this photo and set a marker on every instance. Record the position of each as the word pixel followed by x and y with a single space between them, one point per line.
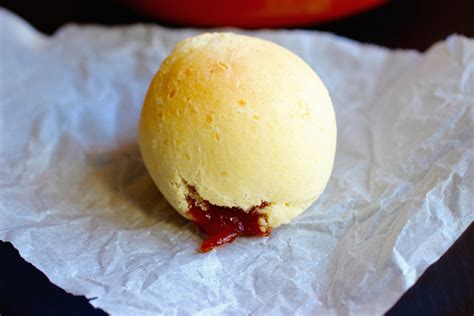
pixel 77 202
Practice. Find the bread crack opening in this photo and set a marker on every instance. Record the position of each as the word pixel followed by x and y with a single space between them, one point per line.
pixel 224 224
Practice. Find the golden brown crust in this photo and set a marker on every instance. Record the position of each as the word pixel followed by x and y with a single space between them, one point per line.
pixel 241 120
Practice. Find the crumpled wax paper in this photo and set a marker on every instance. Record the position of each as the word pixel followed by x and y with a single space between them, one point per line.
pixel 78 204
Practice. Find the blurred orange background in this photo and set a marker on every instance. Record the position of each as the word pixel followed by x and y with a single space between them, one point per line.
pixel 251 13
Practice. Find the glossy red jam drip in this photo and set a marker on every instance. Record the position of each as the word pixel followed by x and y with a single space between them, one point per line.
pixel 224 224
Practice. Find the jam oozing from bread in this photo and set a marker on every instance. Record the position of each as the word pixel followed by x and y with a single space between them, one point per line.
pixel 224 224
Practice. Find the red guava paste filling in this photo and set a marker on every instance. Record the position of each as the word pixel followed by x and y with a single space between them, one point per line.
pixel 224 224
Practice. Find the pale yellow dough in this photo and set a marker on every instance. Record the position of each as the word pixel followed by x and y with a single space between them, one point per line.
pixel 242 120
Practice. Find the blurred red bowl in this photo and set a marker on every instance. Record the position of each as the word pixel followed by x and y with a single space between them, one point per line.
pixel 250 13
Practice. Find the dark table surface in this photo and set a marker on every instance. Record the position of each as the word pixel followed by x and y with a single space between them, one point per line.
pixel 446 288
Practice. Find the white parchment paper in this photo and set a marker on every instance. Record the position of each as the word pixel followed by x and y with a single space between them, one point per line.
pixel 78 203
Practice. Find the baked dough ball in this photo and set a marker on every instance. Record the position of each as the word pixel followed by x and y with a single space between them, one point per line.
pixel 238 122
